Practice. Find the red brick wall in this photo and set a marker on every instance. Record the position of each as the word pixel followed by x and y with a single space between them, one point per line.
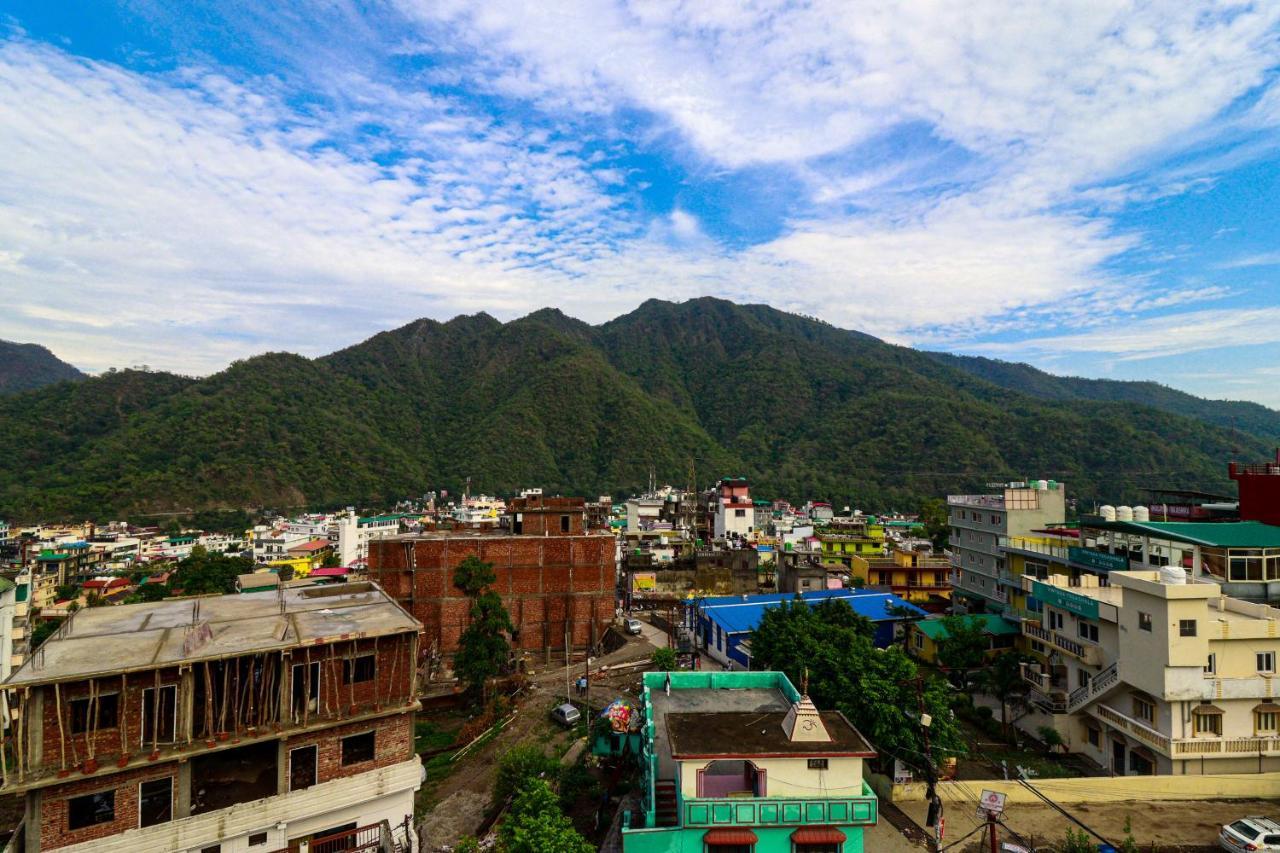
pixel 544 581
pixel 53 805
pixel 392 743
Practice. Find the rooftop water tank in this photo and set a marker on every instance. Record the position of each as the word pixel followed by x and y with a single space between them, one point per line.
pixel 1141 513
pixel 1042 485
pixel 1172 575
pixel 1124 513
pixel 1108 512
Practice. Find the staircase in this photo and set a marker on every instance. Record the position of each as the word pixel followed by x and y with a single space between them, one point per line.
pixel 1099 684
pixel 664 803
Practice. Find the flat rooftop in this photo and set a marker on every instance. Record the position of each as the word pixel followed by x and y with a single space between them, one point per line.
pixel 699 701
pixel 739 733
pixel 131 637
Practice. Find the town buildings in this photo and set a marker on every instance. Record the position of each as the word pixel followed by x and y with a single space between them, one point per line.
pixel 910 571
pixel 1155 673
pixel 737 761
pixel 734 511
pixel 980 525
pixel 556 578
pixel 224 723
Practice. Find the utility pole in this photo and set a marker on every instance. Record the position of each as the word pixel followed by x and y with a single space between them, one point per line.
pixel 934 814
pixel 991 828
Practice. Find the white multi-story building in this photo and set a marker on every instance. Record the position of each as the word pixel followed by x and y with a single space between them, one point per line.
pixel 734 512
pixel 1153 673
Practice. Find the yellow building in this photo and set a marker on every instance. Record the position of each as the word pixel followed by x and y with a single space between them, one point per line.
pixel 916 575
pixel 925 636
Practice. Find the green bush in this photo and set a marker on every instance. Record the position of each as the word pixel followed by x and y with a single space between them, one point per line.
pixel 520 765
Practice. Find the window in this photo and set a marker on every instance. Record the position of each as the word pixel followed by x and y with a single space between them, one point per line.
pixel 1264 722
pixel 155 801
pixel 1144 710
pixel 1206 722
pixel 212 848
pixel 91 809
pixel 1266 661
pixel 357 669
pixel 564 524
pixel 1144 621
pixel 1087 631
pixel 739 513
pixel 160 706
pixel 1038 647
pixel 1187 627
pixel 302 767
pixel 919 640
pixel 817 764
pixel 1055 620
pixel 1211 665
pixel 257 839
pixel 995 519
pixel 102 715
pixel 1093 735
pixel 357 748
pixel 1082 677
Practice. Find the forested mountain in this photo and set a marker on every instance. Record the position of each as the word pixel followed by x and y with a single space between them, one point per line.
pixel 27 366
pixel 1235 414
pixel 801 407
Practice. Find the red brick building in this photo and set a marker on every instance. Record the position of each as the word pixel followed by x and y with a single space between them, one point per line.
pixel 218 723
pixel 552 574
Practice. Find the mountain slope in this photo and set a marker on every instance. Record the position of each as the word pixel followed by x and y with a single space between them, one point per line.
pixel 24 367
pixel 803 408
pixel 1025 379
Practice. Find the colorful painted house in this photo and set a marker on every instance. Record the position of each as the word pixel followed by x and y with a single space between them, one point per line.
pixel 925 635
pixel 741 761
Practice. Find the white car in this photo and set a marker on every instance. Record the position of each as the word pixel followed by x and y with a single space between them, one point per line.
pixel 633 626
pixel 1249 834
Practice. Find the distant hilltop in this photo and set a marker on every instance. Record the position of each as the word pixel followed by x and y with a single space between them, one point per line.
pixel 684 390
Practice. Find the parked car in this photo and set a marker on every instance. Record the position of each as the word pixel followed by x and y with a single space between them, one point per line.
pixel 566 715
pixel 633 626
pixel 1249 834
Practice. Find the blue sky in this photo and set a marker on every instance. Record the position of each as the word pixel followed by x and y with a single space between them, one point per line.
pixel 1093 190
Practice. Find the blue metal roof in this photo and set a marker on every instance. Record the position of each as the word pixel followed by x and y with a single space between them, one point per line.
pixel 742 613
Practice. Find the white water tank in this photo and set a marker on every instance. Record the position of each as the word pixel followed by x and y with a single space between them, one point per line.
pixel 1124 513
pixel 1108 512
pixel 1042 485
pixel 1172 575
pixel 1141 513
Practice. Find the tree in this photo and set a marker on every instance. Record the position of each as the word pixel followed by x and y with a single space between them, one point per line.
pixel 202 573
pixel 663 659
pixel 1050 738
pixel 1003 680
pixel 148 592
pixel 43 631
pixel 535 824
pixel 95 600
pixel 933 514
pixel 66 592
pixel 520 765
pixel 330 561
pixel 483 648
pixel 964 647
pixel 875 688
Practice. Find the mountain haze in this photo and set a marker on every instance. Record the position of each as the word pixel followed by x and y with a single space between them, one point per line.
pixel 27 366
pixel 803 408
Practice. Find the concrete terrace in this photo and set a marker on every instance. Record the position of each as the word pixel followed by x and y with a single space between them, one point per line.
pixel 100 640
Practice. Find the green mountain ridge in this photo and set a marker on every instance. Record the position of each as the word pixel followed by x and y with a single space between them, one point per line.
pixel 805 409
pixel 24 367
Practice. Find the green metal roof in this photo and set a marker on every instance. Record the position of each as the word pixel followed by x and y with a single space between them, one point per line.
pixel 991 624
pixel 1222 534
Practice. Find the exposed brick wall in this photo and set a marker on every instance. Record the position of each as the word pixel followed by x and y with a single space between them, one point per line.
pixel 392 743
pixel 545 582
pixel 54 831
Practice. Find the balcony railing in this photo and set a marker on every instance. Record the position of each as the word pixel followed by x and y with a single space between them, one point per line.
pixel 1017 543
pixel 1035 631
pixel 1086 652
pixel 781 811
pixel 1188 747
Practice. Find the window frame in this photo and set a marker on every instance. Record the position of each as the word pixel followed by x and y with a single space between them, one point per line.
pixel 1144 711
pixel 109 792
pixel 352 666
pixel 315 766
pixel 1198 729
pixel 1259 716
pixel 1144 622
pixel 373 748
pixel 1187 628
pixel 148 704
pixel 169 819
pixel 1270 657
pixel 71 714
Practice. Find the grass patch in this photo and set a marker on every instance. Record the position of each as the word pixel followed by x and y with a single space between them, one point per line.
pixel 428 735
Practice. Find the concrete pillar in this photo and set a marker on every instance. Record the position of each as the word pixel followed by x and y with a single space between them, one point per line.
pixel 34 725
pixel 32 844
pixel 1146 550
pixel 186 705
pixel 282 766
pixel 182 791
pixel 1195 562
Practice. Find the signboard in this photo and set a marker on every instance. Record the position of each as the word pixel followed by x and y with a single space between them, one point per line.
pixel 1065 599
pixel 901 773
pixel 1098 560
pixel 644 580
pixel 991 802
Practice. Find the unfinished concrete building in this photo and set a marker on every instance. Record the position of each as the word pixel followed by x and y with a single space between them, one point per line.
pixel 222 723
pixel 556 579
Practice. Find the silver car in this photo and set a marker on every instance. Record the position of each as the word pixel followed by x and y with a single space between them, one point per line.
pixel 1250 834
pixel 633 626
pixel 566 715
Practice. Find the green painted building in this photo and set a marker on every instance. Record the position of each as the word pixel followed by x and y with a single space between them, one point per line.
pixel 740 762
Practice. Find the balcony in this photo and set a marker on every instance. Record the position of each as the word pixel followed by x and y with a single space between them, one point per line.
pixel 1188 747
pixel 1087 653
pixel 781 811
pixel 1029 546
pixel 1250 687
pixel 1036 632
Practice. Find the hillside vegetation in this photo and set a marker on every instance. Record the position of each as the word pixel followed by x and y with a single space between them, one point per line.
pixel 801 407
